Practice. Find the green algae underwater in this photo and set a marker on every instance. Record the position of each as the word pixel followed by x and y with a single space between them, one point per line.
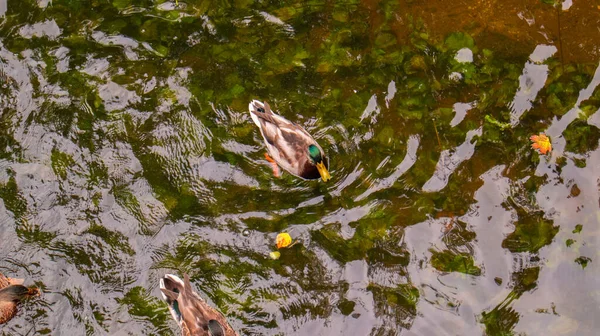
pixel 127 152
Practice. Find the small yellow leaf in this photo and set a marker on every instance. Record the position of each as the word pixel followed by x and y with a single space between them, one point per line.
pixel 283 240
pixel 275 255
pixel 541 142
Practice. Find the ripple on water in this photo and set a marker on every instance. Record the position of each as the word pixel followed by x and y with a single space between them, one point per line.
pixel 127 151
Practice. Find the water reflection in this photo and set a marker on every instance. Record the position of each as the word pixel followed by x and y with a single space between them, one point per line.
pixel 126 151
pixel 531 81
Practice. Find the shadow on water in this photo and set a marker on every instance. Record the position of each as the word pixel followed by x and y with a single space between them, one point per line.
pixel 127 151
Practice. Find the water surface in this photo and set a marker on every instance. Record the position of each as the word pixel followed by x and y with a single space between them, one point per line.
pixel 127 151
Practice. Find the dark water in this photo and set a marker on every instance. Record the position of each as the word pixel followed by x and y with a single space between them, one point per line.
pixel 127 151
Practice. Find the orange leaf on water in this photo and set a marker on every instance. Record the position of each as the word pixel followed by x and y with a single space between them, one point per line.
pixel 283 240
pixel 541 142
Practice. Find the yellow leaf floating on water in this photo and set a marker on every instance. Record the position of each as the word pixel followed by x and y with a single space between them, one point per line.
pixel 283 240
pixel 541 142
pixel 275 255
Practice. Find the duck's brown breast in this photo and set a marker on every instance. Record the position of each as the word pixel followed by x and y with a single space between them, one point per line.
pixel 7 311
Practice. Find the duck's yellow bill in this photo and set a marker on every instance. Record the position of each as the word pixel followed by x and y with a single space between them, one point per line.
pixel 323 171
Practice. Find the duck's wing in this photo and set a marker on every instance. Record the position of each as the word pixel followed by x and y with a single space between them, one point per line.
pixel 272 124
pixel 197 314
pixel 197 317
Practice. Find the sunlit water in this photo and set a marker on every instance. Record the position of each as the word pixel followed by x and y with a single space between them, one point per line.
pixel 127 151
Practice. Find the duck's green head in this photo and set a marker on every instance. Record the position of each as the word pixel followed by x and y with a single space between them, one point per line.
pixel 317 159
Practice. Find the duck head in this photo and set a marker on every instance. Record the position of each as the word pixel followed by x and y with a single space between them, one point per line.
pixel 316 158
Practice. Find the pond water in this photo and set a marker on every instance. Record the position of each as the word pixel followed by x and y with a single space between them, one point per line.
pixel 127 152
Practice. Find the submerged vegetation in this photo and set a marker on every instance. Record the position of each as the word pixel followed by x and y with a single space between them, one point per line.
pixel 127 151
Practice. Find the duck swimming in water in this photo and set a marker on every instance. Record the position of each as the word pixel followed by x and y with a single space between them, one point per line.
pixel 11 293
pixel 289 145
pixel 194 316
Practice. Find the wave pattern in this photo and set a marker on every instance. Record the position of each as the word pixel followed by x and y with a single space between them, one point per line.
pixel 126 151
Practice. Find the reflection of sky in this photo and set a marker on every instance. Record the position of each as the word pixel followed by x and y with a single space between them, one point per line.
pixel 456 299
pixel 464 55
pixel 558 126
pixel 450 160
pixel 214 153
pixel 460 110
pixel 531 82
pixel 408 161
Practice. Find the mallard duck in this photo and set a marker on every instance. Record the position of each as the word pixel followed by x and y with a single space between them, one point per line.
pixel 289 145
pixel 11 292
pixel 194 316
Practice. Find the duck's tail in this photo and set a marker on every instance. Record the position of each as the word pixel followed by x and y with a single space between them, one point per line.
pixel 258 110
pixel 172 283
pixel 255 107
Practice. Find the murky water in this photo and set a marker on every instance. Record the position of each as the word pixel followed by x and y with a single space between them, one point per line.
pixel 127 151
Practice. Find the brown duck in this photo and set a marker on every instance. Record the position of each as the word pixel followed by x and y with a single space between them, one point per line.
pixel 289 145
pixel 194 316
pixel 11 292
